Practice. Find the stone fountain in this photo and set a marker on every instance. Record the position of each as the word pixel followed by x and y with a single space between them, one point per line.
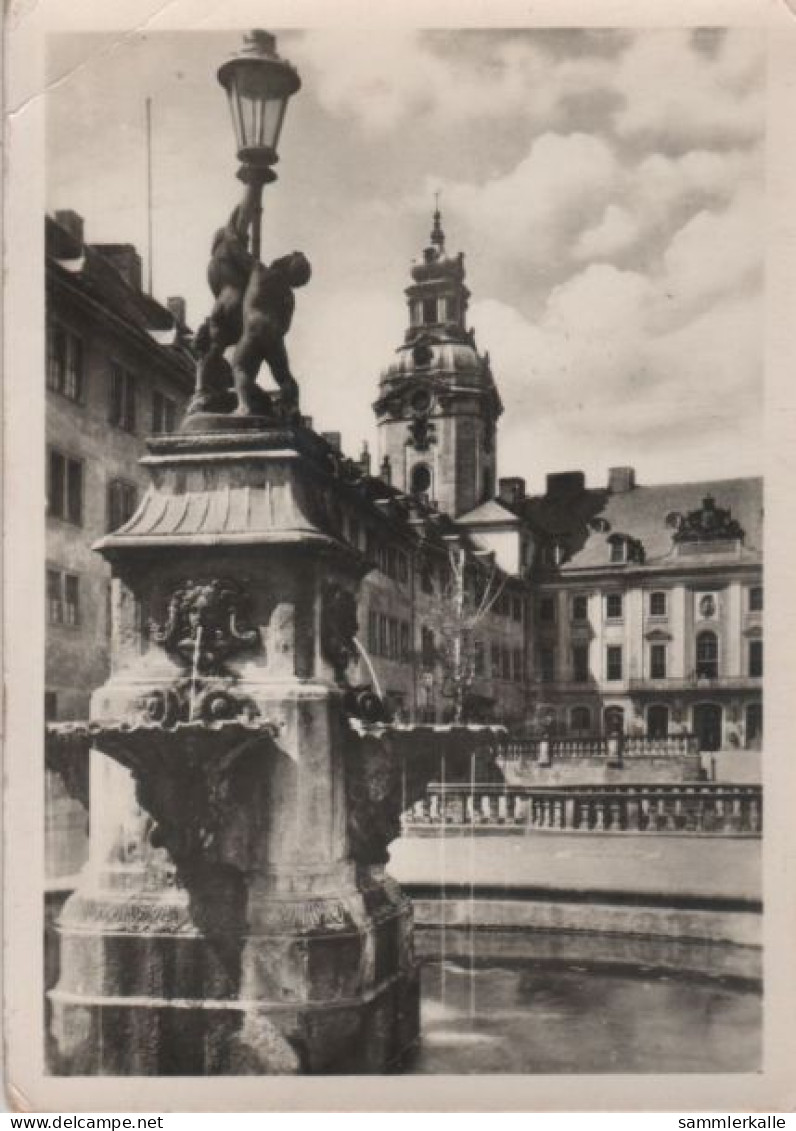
pixel 235 915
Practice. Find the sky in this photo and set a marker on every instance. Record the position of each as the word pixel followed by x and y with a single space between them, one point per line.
pixel 606 188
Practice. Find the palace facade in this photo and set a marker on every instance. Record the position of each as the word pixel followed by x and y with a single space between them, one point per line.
pixel 628 604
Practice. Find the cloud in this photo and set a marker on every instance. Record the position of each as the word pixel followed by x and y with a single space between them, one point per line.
pixel 678 96
pixel 530 213
pixel 392 76
pixel 715 253
pixel 616 231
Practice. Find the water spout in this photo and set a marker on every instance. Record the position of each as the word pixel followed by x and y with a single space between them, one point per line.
pixel 360 647
pixel 197 651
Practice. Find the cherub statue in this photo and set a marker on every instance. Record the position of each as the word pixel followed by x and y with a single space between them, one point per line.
pixel 252 311
pixel 268 306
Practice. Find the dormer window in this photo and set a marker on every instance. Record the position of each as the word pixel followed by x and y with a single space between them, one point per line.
pixel 618 550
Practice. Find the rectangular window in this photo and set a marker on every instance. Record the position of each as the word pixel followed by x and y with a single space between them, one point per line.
pixel 580 607
pixel 164 412
pixel 121 503
pixel 517 672
pixel 55 606
pixel 65 488
pixel 73 383
pixel 405 641
pixel 658 604
pixel 756 599
pixel 613 664
pixel 403 567
pixel 657 661
pixel 121 399
pixel 392 638
pixel 383 635
pixel 547 610
pixel 547 665
pixel 516 609
pixel 64 362
pixel 427 647
pixel 755 657
pixel 479 666
pixel 50 706
pixel 580 663
pixel 71 600
pixel 613 606
pixel 495 657
pixel 429 311
pixel 56 357
pixel 373 632
pixel 505 663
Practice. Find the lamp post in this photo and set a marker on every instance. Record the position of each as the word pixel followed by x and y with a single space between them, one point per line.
pixel 258 84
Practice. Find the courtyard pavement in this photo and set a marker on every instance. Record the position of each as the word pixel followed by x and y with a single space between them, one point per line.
pixel 670 865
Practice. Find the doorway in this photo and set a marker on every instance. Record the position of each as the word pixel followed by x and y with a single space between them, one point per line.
pixel 707 725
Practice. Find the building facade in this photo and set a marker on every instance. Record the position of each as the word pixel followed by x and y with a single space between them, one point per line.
pixel 636 606
pixel 648 608
pixel 117 370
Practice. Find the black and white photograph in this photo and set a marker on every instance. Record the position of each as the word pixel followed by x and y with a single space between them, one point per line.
pixel 403 588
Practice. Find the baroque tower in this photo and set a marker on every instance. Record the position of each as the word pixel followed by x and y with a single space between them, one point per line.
pixel 438 403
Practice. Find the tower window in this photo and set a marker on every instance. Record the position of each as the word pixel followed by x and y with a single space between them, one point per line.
pixel 421 479
pixel 429 311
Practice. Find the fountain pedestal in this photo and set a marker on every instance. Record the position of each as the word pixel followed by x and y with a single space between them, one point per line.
pixel 235 916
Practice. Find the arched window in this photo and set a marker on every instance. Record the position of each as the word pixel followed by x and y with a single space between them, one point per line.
pixel 580 721
pixel 614 719
pixel 707 655
pixel 657 721
pixel 429 311
pixel 421 479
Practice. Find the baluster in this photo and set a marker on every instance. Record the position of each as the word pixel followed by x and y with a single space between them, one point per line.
pixel 433 803
pixel 570 812
pixel 599 814
pixel 503 808
pixel 633 811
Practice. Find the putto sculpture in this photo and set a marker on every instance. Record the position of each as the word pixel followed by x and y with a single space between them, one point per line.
pixel 254 301
pixel 251 315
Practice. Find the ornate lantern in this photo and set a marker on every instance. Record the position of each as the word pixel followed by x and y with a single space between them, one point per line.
pixel 258 85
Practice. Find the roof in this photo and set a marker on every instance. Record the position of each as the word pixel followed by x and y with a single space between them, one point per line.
pixel 492 512
pixel 87 272
pixel 586 521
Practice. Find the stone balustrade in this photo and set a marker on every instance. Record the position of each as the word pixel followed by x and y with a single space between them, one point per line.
pixel 634 746
pixel 704 808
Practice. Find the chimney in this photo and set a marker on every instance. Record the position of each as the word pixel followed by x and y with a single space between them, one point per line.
pixel 71 222
pixel 334 440
pixel 621 480
pixel 385 471
pixel 125 259
pixel 562 483
pixel 364 459
pixel 176 305
pixel 511 490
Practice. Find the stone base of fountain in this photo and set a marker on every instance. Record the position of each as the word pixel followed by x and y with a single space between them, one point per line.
pixel 315 985
pixel 235 916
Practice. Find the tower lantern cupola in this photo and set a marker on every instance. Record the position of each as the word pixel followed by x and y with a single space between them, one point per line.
pixel 438 404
